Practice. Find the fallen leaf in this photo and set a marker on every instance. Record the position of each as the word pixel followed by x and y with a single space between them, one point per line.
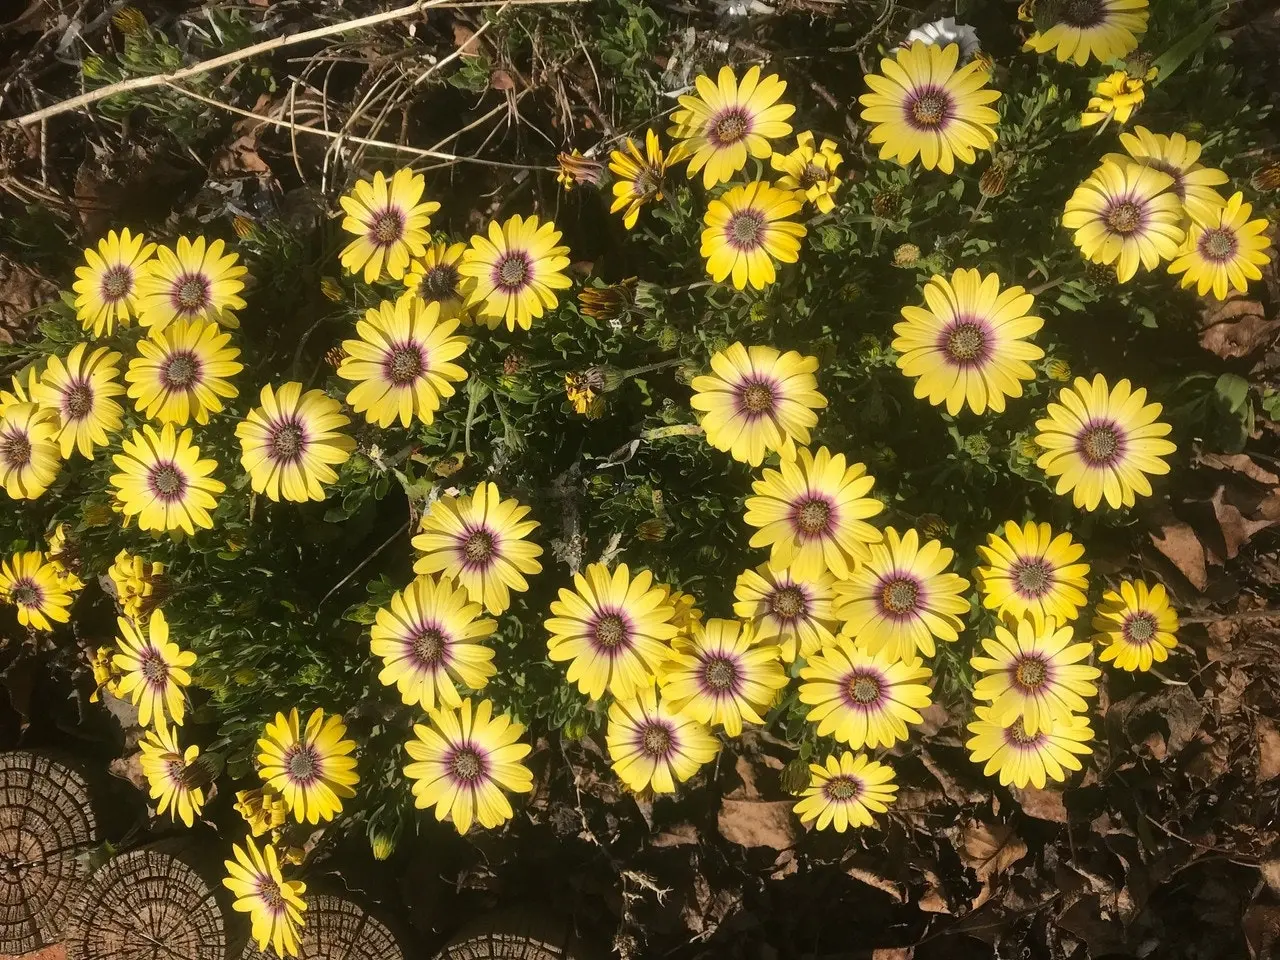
pixel 1179 543
pixel 1268 737
pixel 22 289
pixel 501 80
pixel 1261 930
pixel 1271 874
pixel 863 868
pixel 240 157
pixel 1042 804
pixel 990 849
pixel 464 38
pixel 756 823
pixel 679 835
pixel 1238 329
pixel 1240 463
pixel 1236 528
pixel 893 953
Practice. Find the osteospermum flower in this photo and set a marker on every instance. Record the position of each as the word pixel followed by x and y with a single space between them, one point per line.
pixel 795 614
pixel 861 698
pixel 728 120
pixel 1225 252
pixel 79 388
pixel 756 400
pixel 922 105
pixel 434 277
pixel 21 392
pixel 34 587
pixel 389 219
pixel 164 483
pixel 106 287
pixel 903 597
pixel 30 455
pixel 136 583
pixel 1030 572
pixel 154 668
pixel 812 515
pixel 968 346
pixel 1175 155
pixel 311 766
pixel 290 445
pixel 480 541
pixel 1125 214
pixel 463 763
pixel 722 675
pixel 402 362
pixel 810 172
pixel 274 904
pixel 747 231
pixel 1103 29
pixel 262 808
pixel 652 746
pixel 1034 673
pixel 172 774
pixel 845 791
pixel 64 556
pixel 511 276
pixel 195 281
pixel 1136 625
pixel 1117 96
pixel 429 638
pixel 639 178
pixel 181 372
pixel 1103 441
pixel 1022 758
pixel 945 31
pixel 613 628
pixel 685 605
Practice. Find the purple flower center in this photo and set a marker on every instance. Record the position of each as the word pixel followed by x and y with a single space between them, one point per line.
pixel 810 176
pixel 1032 577
pixel 428 646
pixel 1082 13
pixel 386 227
pixel 1030 673
pixel 167 481
pixel 153 667
pixel 756 398
pixel 745 229
pixel 1218 245
pixel 478 547
pixel 512 271
pixel 899 596
pixel 1164 166
pixel 77 399
pixel 404 364
pixel 287 441
pixel 1016 735
pixel 1123 217
pixel 656 739
pixel 25 592
pixel 611 631
pixel 467 765
pixel 929 108
pixel 15 449
pixel 1140 629
pixel 191 294
pixel 117 282
pixel 788 603
pixel 863 688
pixel 180 370
pixel 1101 443
pixel 270 894
pixel 728 127
pixel 965 343
pixel 439 283
pixel 302 764
pixel 842 788
pixel 813 516
pixel 720 674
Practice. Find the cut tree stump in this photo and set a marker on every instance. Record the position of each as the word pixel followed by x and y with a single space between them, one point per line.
pixel 149 904
pixel 338 929
pixel 515 935
pixel 47 829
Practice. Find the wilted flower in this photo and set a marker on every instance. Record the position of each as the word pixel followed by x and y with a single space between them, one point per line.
pixel 932 526
pixel 609 303
pixel 129 20
pixel 887 203
pixel 1028 448
pixel 1058 369
pixel 1268 178
pixel 512 363
pixel 575 168
pixel 105 674
pixel 334 356
pixel 578 390
pixel 1116 98
pixel 994 180
pixel 945 31
pixel 243 227
pixel 332 289
pixel 652 529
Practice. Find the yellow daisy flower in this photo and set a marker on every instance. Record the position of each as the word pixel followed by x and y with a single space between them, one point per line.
pixel 922 105
pixel 181 372
pixel 757 400
pixel 163 481
pixel 30 455
pixel 685 605
pixel 195 281
pixel 172 774
pixel 1102 29
pixel 1116 97
pixel 613 628
pixel 652 746
pixel 968 345
pixel 389 219
pixel 810 172
pixel 429 638
pixel 747 231
pixel 480 541
pixel 1022 758
pixel 512 274
pixel 903 597
pixel 863 699
pixel 262 808
pixel 812 514
pixel 135 581
pixel 1035 674
pixel 435 278
pixel 79 390
pixel 1136 625
pixel 274 904
pixel 155 670
pixel 64 556
pixel 34 587
pixel 105 675
pixel 846 790
pixel 401 363
pixel 311 766
pixel 1125 214
pixel 106 287
pixel 639 178
pixel 1224 253
pixel 21 393
pixel 728 120
pixel 1175 155
pixel 1031 572
pixel 1103 441
pixel 290 445
pixel 464 761
pixel 722 675
pixel 795 614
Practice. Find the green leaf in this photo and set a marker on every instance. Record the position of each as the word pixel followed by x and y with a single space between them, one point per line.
pixel 1233 389
pixel 1192 42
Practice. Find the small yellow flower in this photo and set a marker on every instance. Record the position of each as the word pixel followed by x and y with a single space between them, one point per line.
pixel 810 172
pixel 575 168
pixel 747 230
pixel 845 791
pixel 640 177
pixel 1136 624
pixel 35 588
pixel 263 809
pixel 1117 97
pixel 1225 253
pixel 389 219
pixel 577 389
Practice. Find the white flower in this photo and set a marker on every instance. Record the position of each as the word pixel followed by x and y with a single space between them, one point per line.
pixel 944 31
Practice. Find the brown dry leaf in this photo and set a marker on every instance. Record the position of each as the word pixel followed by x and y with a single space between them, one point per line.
pixel 501 80
pixel 1264 729
pixel 21 291
pixel 1236 528
pixel 1240 463
pixel 1271 874
pixel 1237 329
pixel 1178 541
pixel 678 835
pixel 1042 804
pixel 756 823
pixel 240 157
pixel 893 953
pixel 464 38
pixel 990 849
pixel 1261 930
pixel 863 869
